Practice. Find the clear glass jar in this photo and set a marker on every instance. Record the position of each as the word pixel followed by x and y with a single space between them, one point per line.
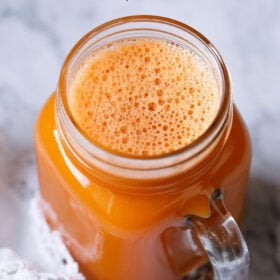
pixel 123 217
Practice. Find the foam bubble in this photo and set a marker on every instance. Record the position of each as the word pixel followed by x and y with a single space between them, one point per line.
pixel 143 97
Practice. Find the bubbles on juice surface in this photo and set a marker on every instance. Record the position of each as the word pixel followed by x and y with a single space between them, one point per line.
pixel 143 97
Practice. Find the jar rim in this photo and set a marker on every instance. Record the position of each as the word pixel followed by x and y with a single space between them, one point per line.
pixel 75 139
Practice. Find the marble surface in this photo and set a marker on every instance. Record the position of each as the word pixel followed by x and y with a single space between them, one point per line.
pixel 37 35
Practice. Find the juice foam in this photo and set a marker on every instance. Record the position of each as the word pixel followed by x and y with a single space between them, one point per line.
pixel 143 97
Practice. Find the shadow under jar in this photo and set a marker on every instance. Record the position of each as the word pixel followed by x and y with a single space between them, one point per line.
pixel 145 217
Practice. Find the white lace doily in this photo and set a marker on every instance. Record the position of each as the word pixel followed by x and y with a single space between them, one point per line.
pixel 29 250
pixel 55 262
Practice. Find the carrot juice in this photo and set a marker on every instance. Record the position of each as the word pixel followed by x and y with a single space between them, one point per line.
pixel 140 132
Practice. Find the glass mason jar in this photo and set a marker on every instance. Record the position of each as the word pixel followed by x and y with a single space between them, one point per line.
pixel 150 218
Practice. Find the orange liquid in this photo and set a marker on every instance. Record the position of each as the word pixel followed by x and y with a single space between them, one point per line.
pixel 115 235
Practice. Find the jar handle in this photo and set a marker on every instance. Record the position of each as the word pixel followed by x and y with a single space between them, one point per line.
pixel 222 240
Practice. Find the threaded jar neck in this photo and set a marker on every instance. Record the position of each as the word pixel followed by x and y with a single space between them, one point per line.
pixel 184 160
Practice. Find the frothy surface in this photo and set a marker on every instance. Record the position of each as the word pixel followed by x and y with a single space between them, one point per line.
pixel 143 97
